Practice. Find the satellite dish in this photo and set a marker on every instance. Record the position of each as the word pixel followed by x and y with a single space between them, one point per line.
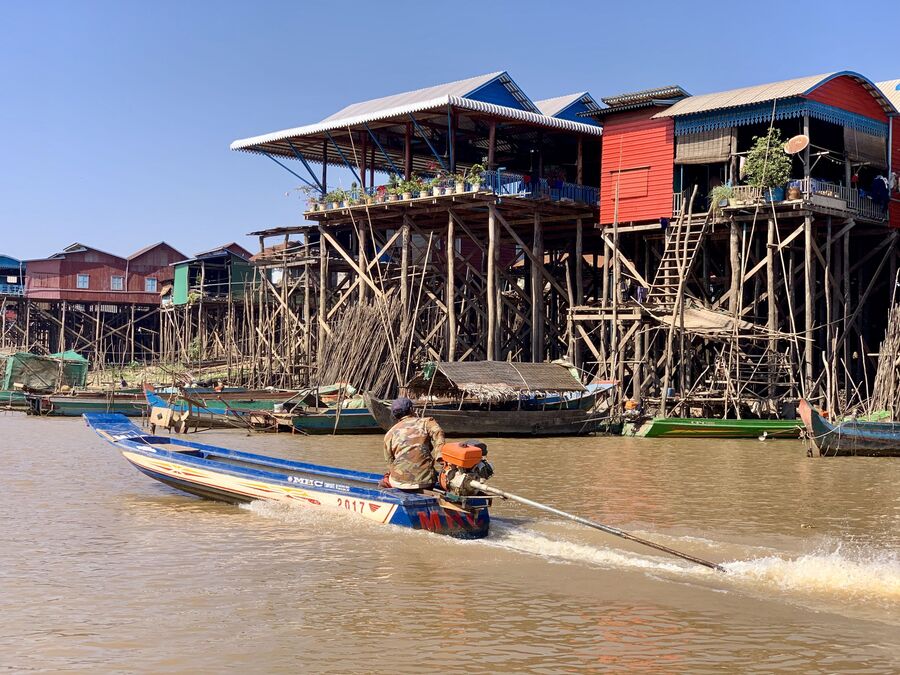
pixel 796 144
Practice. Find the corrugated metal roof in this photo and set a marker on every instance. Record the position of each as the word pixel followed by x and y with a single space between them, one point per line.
pixel 402 110
pixel 762 93
pixel 496 378
pixel 890 89
pixel 645 96
pixel 458 88
pixel 554 106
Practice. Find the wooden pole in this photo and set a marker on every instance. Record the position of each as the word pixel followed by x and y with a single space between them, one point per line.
pixel 492 144
pixel 735 262
pixel 407 151
pixel 451 290
pixel 491 347
pixel 579 163
pixel 361 256
pixel 323 298
pixel 808 313
pixel 771 304
pixel 404 274
pixel 537 292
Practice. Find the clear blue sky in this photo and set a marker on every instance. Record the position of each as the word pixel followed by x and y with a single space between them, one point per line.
pixel 116 116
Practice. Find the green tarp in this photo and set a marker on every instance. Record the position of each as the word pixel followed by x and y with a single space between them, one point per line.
pixel 24 370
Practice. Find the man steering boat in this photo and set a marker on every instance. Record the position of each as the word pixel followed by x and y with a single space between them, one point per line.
pixel 409 448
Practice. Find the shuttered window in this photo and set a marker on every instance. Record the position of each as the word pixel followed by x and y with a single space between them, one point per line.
pixel 704 147
pixel 863 147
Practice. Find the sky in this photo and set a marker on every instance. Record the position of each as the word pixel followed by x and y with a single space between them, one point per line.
pixel 116 117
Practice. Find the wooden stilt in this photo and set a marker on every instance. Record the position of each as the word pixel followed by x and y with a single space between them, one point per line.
pixel 537 292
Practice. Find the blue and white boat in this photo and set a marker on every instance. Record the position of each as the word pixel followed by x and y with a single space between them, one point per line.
pixel 238 477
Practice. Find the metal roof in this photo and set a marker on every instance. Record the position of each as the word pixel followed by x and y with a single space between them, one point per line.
pixel 553 106
pixel 645 96
pixel 249 144
pixel 800 86
pixel 891 90
pixel 494 379
pixel 463 88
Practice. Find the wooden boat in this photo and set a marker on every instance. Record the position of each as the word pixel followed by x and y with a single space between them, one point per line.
pixel 236 477
pixel 222 409
pixel 334 421
pixel 78 403
pixel 850 437
pixel 13 399
pixel 708 427
pixel 485 422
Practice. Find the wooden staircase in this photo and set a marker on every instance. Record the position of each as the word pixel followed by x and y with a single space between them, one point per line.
pixel 683 240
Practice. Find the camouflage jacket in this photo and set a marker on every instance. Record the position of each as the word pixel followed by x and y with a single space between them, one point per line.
pixel 409 449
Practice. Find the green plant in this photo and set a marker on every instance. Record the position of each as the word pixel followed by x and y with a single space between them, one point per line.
pixel 767 165
pixel 459 177
pixel 337 195
pixel 474 175
pixel 719 194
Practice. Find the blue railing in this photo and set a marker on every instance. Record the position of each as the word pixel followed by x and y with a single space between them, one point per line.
pixel 12 289
pixel 503 183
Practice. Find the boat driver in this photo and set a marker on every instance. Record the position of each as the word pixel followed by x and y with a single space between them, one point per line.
pixel 409 448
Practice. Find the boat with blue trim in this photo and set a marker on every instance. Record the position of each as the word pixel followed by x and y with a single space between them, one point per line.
pixel 239 477
pixel 849 437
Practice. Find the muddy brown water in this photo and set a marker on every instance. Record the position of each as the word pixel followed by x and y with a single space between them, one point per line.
pixel 104 570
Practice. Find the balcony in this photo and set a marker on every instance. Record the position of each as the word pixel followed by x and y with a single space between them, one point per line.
pixel 12 289
pixel 815 194
pixel 500 183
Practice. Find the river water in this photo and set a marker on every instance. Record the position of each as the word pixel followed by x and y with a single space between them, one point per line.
pixel 103 569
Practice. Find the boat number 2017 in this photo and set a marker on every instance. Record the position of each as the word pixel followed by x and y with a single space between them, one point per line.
pixel 351 505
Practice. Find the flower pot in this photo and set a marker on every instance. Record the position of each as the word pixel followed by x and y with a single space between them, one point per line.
pixel 794 193
pixel 345 204
pixel 460 187
pixel 369 200
pixel 775 194
pixel 436 191
pixel 335 205
pixel 448 191
pixel 476 187
pixel 407 195
pixel 732 202
pixel 391 198
pixel 424 194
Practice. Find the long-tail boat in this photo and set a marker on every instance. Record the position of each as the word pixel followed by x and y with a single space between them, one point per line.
pixel 849 437
pixel 710 427
pixel 217 409
pixel 239 477
pixel 77 403
pixel 498 398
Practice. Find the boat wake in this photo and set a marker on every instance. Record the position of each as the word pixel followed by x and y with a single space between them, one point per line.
pixel 833 571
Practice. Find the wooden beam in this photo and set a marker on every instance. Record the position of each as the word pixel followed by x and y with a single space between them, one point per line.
pixel 492 291
pixel 451 289
pixel 537 292
pixel 625 261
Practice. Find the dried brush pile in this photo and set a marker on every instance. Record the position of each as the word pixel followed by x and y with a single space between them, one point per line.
pixel 886 390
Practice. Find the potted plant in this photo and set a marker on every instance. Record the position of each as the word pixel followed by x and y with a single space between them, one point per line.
pixel 424 188
pixel 475 173
pixel 767 166
pixel 333 198
pixel 459 181
pixel 720 196
pixel 380 194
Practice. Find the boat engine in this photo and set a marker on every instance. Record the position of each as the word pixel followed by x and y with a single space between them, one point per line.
pixel 463 463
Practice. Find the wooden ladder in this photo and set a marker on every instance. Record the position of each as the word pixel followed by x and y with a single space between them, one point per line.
pixel 683 240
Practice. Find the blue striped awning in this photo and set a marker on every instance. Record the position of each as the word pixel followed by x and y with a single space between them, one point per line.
pixel 791 108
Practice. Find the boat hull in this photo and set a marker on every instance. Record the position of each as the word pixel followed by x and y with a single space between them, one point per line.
pixel 849 438
pixel 475 423
pixel 237 477
pixel 12 399
pixel 350 421
pixel 130 405
pixel 681 427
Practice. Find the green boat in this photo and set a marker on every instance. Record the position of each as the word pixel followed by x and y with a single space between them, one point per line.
pixel 709 427
pixel 79 403
pixel 13 399
pixel 328 421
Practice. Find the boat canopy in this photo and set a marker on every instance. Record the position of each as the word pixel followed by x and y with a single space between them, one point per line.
pixel 492 380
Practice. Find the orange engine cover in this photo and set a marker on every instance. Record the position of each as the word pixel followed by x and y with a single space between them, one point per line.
pixel 458 454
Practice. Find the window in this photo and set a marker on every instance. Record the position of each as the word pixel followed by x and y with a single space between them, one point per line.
pixel 83 281
pixel 150 285
pixel 117 284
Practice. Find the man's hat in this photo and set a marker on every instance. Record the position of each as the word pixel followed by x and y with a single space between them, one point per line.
pixel 401 406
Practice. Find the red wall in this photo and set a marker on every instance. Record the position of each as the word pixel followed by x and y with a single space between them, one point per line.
pixel 638 153
pixel 56 278
pixel 848 94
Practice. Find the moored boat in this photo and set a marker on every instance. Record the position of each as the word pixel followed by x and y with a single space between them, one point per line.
pixel 12 399
pixel 334 421
pixel 711 427
pixel 77 403
pixel 217 409
pixel 849 437
pixel 238 477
